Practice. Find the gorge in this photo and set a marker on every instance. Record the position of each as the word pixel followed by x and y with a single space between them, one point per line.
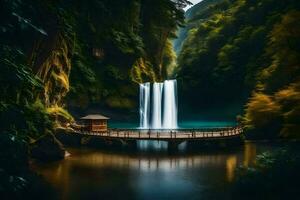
pixel 149 64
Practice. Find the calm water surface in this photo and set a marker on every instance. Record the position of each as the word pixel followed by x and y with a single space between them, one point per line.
pixel 98 174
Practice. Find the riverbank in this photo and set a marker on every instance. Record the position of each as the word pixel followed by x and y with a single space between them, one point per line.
pixel 275 175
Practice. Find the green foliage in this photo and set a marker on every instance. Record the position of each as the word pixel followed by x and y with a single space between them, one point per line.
pixel 20 124
pixel 120 43
pixel 160 19
pixel 280 80
pixel 141 70
pixel 22 116
pixel 27 121
pixel 97 50
pixel 16 78
pixel 16 180
pixel 262 115
pixel 100 40
pixel 275 176
pixel 244 51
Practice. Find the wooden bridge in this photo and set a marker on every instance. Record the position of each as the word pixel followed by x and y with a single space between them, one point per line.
pixel 167 135
pixel 225 136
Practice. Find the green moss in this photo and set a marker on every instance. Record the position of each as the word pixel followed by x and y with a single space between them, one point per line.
pixel 142 71
pixel 60 112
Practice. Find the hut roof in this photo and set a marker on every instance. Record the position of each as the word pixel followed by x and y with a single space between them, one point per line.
pixel 94 116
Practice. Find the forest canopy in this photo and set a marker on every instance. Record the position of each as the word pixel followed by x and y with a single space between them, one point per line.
pixel 244 53
pixel 61 54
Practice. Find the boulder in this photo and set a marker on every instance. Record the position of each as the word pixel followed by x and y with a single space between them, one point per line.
pixel 47 148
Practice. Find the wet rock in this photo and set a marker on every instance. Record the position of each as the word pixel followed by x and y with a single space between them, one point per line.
pixel 48 148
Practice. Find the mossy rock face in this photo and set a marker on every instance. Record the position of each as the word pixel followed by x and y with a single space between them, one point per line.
pixel 48 148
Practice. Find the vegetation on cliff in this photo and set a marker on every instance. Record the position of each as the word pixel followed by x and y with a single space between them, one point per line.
pixel 245 53
pixel 60 54
pixel 119 44
pixel 56 54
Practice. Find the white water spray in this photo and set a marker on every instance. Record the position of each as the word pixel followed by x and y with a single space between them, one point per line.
pixel 162 94
pixel 170 104
pixel 144 105
pixel 156 105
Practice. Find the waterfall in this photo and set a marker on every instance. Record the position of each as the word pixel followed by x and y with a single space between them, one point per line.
pixel 144 105
pixel 164 97
pixel 156 106
pixel 170 104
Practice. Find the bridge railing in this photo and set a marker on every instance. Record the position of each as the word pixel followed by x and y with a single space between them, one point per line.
pixel 168 134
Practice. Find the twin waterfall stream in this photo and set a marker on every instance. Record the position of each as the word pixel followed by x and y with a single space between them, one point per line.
pixel 158 110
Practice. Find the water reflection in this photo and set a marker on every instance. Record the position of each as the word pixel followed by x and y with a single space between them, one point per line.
pixel 231 163
pixel 93 174
pixel 249 154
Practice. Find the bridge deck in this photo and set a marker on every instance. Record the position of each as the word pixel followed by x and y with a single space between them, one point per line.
pixel 190 134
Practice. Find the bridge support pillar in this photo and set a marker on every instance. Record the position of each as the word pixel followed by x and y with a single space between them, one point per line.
pixel 173 145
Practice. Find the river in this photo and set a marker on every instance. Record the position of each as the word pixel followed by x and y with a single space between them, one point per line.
pixel 148 173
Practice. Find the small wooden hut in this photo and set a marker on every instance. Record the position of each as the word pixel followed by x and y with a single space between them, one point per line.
pixel 95 123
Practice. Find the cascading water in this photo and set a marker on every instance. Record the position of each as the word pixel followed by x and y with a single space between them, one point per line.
pixel 162 94
pixel 170 104
pixel 156 105
pixel 144 105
